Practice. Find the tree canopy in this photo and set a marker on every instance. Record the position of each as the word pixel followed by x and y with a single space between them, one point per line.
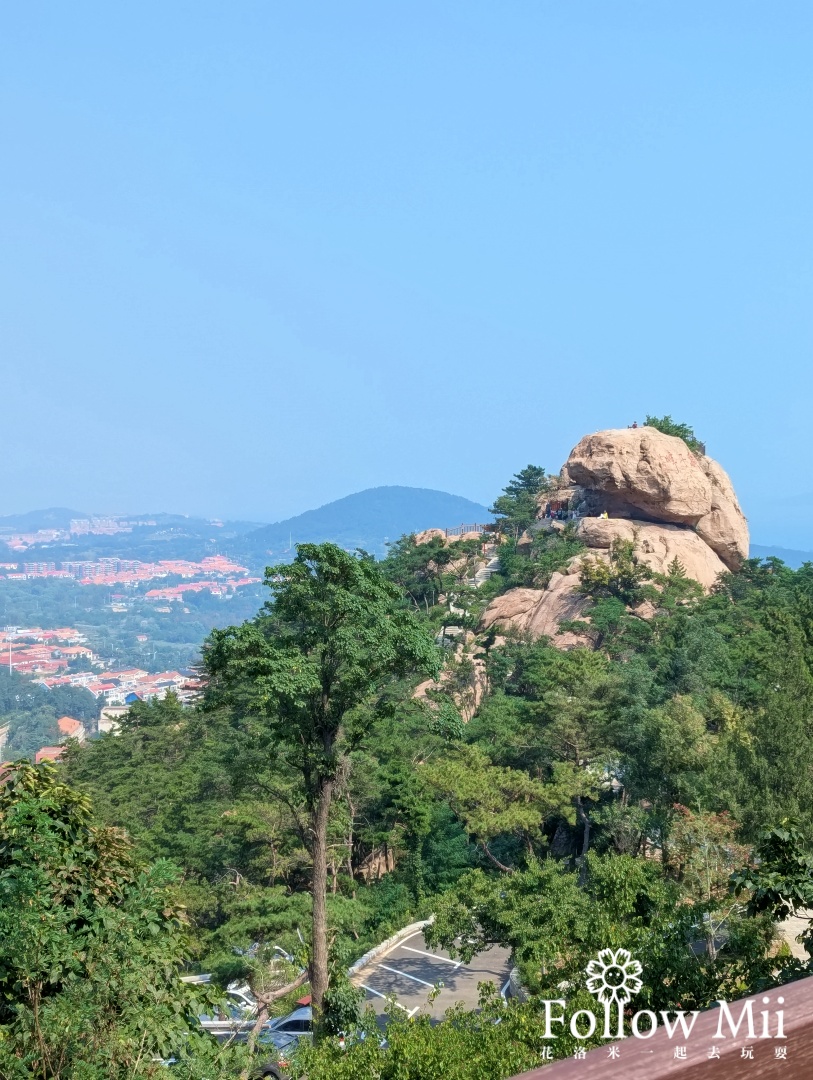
pixel 92 942
pixel 313 669
pixel 681 431
pixel 650 789
pixel 517 507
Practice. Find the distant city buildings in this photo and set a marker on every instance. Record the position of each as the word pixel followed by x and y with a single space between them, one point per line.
pixel 123 687
pixel 110 718
pixel 98 526
pixel 216 574
pixel 103 526
pixel 47 655
pixel 48 753
pixel 120 687
pixel 62 657
pixel 34 651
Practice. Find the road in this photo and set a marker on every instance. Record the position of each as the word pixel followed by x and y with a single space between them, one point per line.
pixel 410 970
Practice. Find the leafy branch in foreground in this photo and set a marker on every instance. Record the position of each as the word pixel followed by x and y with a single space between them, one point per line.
pixel 91 942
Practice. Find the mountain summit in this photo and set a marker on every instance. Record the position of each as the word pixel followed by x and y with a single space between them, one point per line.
pixel 638 485
pixel 368 519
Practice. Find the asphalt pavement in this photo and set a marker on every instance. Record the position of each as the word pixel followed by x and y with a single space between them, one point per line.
pixel 411 969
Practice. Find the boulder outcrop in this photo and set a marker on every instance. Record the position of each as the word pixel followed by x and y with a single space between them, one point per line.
pixel 538 612
pixel 671 502
pixel 440 534
pixel 655 545
pixel 642 473
pixel 466 697
pixel 430 534
pixel 724 528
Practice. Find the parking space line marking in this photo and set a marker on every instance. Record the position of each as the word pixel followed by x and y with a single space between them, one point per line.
pixel 377 993
pixel 399 944
pixel 414 978
pixel 434 956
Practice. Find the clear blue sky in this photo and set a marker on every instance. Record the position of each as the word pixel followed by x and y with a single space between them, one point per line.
pixel 259 255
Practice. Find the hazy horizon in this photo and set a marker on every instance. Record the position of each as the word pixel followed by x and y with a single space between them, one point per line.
pixel 759 540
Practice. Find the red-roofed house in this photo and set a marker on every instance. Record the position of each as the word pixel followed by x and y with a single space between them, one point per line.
pixel 70 729
pixel 48 753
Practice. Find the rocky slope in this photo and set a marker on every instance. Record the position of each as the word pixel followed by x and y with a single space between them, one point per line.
pixel 671 502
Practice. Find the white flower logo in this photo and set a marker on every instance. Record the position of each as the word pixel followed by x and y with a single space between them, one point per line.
pixel 614 976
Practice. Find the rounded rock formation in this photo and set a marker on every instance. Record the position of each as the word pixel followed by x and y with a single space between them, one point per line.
pixel 642 473
pixel 671 502
pixel 724 528
pixel 538 612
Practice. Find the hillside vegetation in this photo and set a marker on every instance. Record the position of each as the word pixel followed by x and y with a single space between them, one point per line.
pixel 651 788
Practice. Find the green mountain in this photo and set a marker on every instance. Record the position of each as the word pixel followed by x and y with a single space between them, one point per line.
pixel 367 519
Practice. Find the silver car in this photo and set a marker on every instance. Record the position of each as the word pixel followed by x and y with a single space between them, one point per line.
pixel 284 1031
pixel 235 1017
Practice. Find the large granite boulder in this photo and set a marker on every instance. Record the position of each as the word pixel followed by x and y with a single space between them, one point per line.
pixel 538 612
pixel 642 473
pixel 671 502
pixel 428 535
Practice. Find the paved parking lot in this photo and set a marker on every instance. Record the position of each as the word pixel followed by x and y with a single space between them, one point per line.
pixel 411 969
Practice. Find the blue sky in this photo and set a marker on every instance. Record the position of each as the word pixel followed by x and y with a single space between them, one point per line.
pixel 256 256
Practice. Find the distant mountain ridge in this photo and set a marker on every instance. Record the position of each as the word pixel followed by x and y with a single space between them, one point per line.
pixel 789 556
pixel 55 517
pixel 367 519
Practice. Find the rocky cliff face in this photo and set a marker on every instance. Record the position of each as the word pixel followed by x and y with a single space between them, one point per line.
pixel 538 612
pixel 656 545
pixel 672 503
pixel 647 476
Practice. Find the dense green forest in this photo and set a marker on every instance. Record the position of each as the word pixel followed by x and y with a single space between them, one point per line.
pixel 652 790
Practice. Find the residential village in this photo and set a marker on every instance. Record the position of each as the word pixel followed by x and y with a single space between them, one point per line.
pixel 46 655
pixel 93 526
pixel 219 574
pixel 113 669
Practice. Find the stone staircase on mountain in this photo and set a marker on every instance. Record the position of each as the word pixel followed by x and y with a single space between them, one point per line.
pixel 491 566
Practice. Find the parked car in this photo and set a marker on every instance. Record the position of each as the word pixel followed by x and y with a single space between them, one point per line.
pixel 280 1036
pixel 235 1017
pixel 285 1031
